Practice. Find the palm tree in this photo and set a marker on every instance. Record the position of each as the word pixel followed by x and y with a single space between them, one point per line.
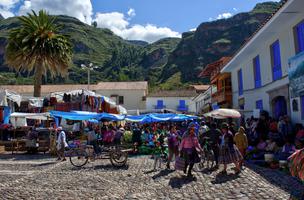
pixel 35 46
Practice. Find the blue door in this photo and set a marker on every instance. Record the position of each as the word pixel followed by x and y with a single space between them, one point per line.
pixel 280 107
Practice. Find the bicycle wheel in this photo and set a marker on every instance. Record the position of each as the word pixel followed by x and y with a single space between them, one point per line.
pixel 118 158
pixel 79 159
pixel 210 160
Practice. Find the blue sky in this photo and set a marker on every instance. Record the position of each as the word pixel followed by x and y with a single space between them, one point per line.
pixel 179 15
pixel 147 20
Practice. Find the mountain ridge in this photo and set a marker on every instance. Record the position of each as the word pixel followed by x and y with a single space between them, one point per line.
pixel 168 63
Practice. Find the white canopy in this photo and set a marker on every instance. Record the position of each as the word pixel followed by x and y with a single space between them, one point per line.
pixel 8 94
pixel 41 116
pixel 19 119
pixel 223 113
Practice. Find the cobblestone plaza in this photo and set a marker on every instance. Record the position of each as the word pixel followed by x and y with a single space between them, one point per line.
pixel 40 177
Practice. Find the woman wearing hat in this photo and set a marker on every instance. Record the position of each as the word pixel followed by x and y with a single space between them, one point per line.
pixel 188 148
pixel 229 153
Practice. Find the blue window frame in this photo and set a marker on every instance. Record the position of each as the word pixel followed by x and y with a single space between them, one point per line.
pixel 240 79
pixel 257 72
pixel 259 104
pixel 276 61
pixel 160 104
pixel 300 37
pixel 182 106
pixel 302 107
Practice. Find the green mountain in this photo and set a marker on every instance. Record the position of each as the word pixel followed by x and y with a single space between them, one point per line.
pixel 213 40
pixel 168 63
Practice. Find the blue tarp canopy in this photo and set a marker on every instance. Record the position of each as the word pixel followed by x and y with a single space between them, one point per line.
pixel 156 117
pixel 147 118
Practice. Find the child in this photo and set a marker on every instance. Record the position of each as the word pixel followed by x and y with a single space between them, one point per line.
pixel 157 152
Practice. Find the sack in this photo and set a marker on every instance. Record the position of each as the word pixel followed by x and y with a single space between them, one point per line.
pixel 179 163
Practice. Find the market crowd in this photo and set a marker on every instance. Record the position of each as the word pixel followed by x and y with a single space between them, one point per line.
pixel 186 141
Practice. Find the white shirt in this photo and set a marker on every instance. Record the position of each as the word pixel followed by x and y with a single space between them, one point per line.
pixel 61 140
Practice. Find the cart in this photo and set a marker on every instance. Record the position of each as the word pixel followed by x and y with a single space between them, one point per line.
pixel 80 155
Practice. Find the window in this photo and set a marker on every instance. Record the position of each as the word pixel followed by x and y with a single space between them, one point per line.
pixel 160 104
pixel 299 37
pixel 257 72
pixel 120 100
pixel 276 61
pixel 182 103
pixel 302 107
pixel 259 104
pixel 240 79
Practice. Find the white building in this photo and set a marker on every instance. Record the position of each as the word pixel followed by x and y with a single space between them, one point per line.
pixel 259 71
pixel 130 95
pixel 203 101
pixel 177 100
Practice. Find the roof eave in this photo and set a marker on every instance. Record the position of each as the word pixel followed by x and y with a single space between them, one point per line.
pixel 229 65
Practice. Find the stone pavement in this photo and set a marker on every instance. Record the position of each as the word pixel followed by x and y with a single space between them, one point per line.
pixel 40 177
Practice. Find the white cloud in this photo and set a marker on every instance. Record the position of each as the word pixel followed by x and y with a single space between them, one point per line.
pixel 149 33
pixel 234 9
pixel 131 12
pixel 119 24
pixel 192 29
pixel 81 9
pixel 6 7
pixel 224 15
pixel 115 21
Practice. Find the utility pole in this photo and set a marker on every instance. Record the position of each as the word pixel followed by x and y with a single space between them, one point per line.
pixel 89 68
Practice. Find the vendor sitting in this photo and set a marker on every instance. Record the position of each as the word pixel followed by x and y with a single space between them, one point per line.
pixel 92 139
pixel 287 150
pixel 271 146
pixel 259 151
pixel 32 137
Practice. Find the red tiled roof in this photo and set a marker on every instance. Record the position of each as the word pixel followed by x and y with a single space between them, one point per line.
pixel 212 66
pixel 173 93
pixel 140 85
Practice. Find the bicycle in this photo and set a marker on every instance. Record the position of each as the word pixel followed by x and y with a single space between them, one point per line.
pixel 80 155
pixel 207 155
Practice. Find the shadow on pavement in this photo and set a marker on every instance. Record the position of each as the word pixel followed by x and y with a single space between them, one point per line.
pixel 162 173
pixel 111 167
pixel 178 182
pixel 223 178
pixel 278 178
pixel 25 156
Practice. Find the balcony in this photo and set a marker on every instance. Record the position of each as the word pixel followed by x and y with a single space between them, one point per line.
pixel 222 95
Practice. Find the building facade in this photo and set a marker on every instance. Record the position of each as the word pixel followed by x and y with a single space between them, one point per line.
pixel 260 69
pixel 175 100
pixel 221 93
pixel 130 95
pixel 203 101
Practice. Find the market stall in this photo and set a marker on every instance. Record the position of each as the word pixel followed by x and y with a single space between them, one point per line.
pixel 9 101
pixel 223 113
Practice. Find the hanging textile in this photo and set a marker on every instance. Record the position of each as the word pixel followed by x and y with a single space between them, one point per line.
pixel 6 114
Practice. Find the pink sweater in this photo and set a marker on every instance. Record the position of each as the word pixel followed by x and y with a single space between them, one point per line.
pixel 189 142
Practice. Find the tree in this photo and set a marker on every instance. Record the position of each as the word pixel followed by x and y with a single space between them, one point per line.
pixel 94 24
pixel 35 46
